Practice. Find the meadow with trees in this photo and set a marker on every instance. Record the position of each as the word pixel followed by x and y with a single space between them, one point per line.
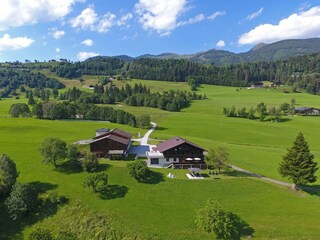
pixel 118 199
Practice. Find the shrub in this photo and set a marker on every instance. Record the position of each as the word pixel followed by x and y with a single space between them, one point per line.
pixel 90 162
pixel 139 170
pixel 96 181
pixel 213 218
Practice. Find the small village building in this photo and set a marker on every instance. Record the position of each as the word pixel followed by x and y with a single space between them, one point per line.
pixel 257 85
pixel 307 111
pixel 113 144
pixel 176 153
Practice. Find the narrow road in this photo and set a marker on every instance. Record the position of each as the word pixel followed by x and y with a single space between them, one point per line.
pixel 144 140
pixel 306 188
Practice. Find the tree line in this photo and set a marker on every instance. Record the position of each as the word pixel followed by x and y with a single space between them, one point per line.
pixel 137 95
pixel 52 110
pixel 261 111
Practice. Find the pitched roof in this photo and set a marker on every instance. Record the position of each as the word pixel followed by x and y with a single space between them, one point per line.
pixel 122 133
pixel 121 140
pixel 174 142
pixel 119 132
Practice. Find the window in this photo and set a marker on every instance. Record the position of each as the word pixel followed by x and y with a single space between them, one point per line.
pixel 167 159
pixel 154 161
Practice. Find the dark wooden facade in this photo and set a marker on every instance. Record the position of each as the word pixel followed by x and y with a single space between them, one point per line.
pixel 184 151
pixel 102 147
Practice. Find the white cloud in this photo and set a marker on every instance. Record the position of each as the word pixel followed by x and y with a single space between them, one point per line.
pixel 86 19
pixel 160 15
pixel 107 22
pixel 89 19
pixel 85 55
pixel 58 50
pixel 57 34
pixel 14 13
pixel 298 25
pixel 124 19
pixel 221 44
pixel 8 43
pixel 193 20
pixel 216 14
pixel 87 42
pixel 255 14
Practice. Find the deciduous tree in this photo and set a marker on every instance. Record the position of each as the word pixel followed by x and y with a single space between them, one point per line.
pixel 22 200
pixel 8 174
pixel 53 150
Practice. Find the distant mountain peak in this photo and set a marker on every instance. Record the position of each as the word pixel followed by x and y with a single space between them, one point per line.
pixel 257 47
pixel 262 52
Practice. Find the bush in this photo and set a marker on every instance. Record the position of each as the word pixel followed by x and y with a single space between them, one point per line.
pixel 139 170
pixel 96 181
pixel 55 198
pixel 22 200
pixel 226 225
pixel 90 163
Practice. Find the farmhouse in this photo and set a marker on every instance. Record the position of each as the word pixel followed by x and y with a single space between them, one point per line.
pixel 257 85
pixel 307 111
pixel 110 143
pixel 176 153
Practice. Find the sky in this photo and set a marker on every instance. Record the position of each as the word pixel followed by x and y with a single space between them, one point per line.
pixel 79 29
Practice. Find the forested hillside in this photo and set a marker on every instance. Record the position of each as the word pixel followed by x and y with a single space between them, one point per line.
pixel 300 72
pixel 11 80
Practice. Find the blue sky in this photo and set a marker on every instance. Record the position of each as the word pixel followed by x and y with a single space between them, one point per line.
pixel 77 29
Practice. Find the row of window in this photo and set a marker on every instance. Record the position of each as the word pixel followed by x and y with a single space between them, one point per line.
pixel 174 159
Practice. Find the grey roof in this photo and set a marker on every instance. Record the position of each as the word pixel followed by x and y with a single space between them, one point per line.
pixel 123 134
pixel 124 141
pixel 174 142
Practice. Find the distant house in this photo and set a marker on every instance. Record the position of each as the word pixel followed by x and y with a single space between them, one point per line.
pixel 307 111
pixel 257 85
pixel 111 143
pixel 176 153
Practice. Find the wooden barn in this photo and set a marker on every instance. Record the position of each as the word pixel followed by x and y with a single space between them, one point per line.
pixel 177 153
pixel 113 144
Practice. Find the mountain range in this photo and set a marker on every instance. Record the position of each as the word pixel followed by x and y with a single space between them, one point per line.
pixel 262 52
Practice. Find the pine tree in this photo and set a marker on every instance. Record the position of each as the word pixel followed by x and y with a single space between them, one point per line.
pixel 298 164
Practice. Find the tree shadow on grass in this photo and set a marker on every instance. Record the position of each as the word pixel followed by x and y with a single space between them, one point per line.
pixel 12 229
pixel 112 192
pixel 235 174
pixel 312 190
pixel 153 178
pixel 243 228
pixel 161 128
pixel 70 168
pixel 103 167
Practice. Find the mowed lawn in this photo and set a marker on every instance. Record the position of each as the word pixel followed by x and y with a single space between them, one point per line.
pixel 166 210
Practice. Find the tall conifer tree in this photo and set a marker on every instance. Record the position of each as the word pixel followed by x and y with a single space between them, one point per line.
pixel 298 164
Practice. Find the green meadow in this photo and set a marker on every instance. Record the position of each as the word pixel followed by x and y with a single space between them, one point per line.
pixel 166 209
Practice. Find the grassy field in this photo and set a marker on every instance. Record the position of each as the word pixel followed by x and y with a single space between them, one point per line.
pixel 166 209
